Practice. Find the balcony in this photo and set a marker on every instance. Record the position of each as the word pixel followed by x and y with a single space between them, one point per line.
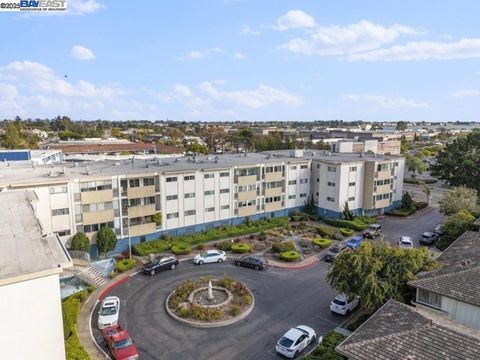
pixel 140 192
pixel 247 210
pixel 274 191
pixel 382 175
pixel 275 206
pixel 276 176
pixel 138 211
pixel 91 197
pixel 97 217
pixel 142 229
pixel 247 180
pixel 247 195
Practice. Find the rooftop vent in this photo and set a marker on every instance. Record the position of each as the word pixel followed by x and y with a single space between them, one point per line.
pixel 466 262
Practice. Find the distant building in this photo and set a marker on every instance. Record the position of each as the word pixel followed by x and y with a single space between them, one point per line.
pixel 391 147
pixel 36 157
pixel 30 263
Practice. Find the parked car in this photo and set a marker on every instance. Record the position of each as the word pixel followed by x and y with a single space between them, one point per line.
pixel 438 230
pixel 119 343
pixel 160 263
pixel 334 251
pixel 210 256
pixel 254 262
pixel 405 242
pixel 354 242
pixel 109 311
pixel 295 340
pixel 372 231
pixel 343 305
pixel 428 238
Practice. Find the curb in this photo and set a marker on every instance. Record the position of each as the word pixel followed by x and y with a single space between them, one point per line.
pixel 104 292
pixel 217 324
pixel 299 267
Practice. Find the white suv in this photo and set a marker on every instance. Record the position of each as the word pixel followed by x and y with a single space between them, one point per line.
pixel 343 305
pixel 108 314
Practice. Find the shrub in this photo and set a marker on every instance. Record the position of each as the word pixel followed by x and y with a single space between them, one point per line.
pixel 326 350
pixel 262 236
pixel 161 245
pixel 346 232
pixel 180 249
pixel 200 247
pixel 200 313
pixel 125 265
pixel 225 282
pixel 357 224
pixel 283 246
pixel 241 248
pixel 80 242
pixel 290 256
pixel 322 243
pixel 235 310
pixel 224 245
pixel 305 243
pixel 326 231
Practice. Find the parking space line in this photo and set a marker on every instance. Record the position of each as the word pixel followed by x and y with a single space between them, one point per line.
pixel 327 320
pixel 274 353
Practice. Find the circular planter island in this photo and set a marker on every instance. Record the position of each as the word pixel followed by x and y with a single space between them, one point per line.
pixel 208 303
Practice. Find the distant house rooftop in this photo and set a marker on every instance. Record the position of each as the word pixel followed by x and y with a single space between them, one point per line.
pixel 26 252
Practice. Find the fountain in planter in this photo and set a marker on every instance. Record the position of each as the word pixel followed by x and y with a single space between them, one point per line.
pixel 210 296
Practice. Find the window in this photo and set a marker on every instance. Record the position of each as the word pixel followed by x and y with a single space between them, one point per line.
pixel 351 198
pixel 332 169
pixel 224 207
pixel 63 233
pixel 209 176
pixel 188 178
pixel 303 195
pixel 293 167
pixel 95 185
pixel 330 199
pixel 383 167
pixel 353 168
pixel 57 212
pixel 210 209
pixel 243 188
pixel 172 197
pixel 273 199
pixel 247 203
pixel 224 191
pixel 189 212
pixel 303 181
pixel 172 215
pixel 224 174
pixel 247 172
pixel 171 179
pixel 292 196
pixel 273 169
pixel 304 167
pixel 209 192
pixel 351 183
pixel 98 207
pixel 58 189
pixel 134 183
pixel 292 182
pixel 318 166
pixel 429 298
pixel 148 181
pixel 332 184
pixel 189 195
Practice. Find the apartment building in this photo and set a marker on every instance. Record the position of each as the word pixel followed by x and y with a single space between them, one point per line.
pixel 143 199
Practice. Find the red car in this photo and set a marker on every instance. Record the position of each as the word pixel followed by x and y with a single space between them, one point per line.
pixel 119 343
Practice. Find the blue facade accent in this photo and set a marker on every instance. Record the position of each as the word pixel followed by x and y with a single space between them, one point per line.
pixel 15 155
pixel 122 243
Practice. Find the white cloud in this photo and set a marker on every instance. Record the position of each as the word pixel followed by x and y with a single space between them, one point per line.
pixel 200 54
pixel 182 90
pixel 335 40
pixel 82 53
pixel 385 101
pixel 8 92
pixel 195 54
pixel 82 7
pixel 463 93
pixel 424 50
pixel 295 19
pixel 247 30
pixel 239 56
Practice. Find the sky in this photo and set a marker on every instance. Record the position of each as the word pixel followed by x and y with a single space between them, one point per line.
pixel 247 60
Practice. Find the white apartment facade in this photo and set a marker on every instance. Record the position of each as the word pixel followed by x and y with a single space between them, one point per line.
pixel 145 199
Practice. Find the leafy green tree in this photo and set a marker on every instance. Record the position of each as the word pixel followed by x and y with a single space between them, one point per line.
pixel 407 202
pixel 378 272
pixel 12 139
pixel 459 198
pixel 197 148
pixel 310 206
pixel 402 125
pixel 80 242
pixel 347 213
pixel 415 165
pixel 453 227
pixel 157 217
pixel 459 162
pixel 106 240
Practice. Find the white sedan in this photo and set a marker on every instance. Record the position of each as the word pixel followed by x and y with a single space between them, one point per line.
pixel 109 310
pixel 210 256
pixel 295 340
pixel 405 242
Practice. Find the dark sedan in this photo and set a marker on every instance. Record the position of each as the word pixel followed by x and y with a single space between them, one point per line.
pixel 159 264
pixel 334 251
pixel 428 238
pixel 254 262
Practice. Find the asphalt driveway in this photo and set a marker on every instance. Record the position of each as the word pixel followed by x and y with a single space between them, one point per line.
pixel 283 299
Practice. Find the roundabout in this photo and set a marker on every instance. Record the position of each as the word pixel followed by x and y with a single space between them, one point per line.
pixel 280 299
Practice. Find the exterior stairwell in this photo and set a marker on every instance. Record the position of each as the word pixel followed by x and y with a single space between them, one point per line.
pixel 89 275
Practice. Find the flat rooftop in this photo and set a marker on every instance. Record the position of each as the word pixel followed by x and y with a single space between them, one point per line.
pixel 24 173
pixel 25 253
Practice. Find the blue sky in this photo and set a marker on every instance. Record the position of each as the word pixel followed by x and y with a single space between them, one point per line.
pixel 244 60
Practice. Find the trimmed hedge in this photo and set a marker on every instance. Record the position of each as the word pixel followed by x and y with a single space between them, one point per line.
pixel 250 227
pixel 125 265
pixel 180 249
pixel 322 243
pixel 326 231
pixel 283 246
pixel 404 212
pixel 70 309
pixel 326 350
pixel 346 232
pixel 357 224
pixel 290 256
pixel 419 182
pixel 241 248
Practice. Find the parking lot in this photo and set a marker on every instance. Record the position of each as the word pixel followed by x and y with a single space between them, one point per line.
pixel 283 299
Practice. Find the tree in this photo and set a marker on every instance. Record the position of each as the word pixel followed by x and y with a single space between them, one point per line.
pixel 378 272
pixel 347 213
pixel 157 217
pixel 402 125
pixel 427 191
pixel 415 165
pixel 12 138
pixel 455 226
pixel 106 240
pixel 407 202
pixel 459 198
pixel 197 148
pixel 459 162
pixel 310 206
pixel 80 242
